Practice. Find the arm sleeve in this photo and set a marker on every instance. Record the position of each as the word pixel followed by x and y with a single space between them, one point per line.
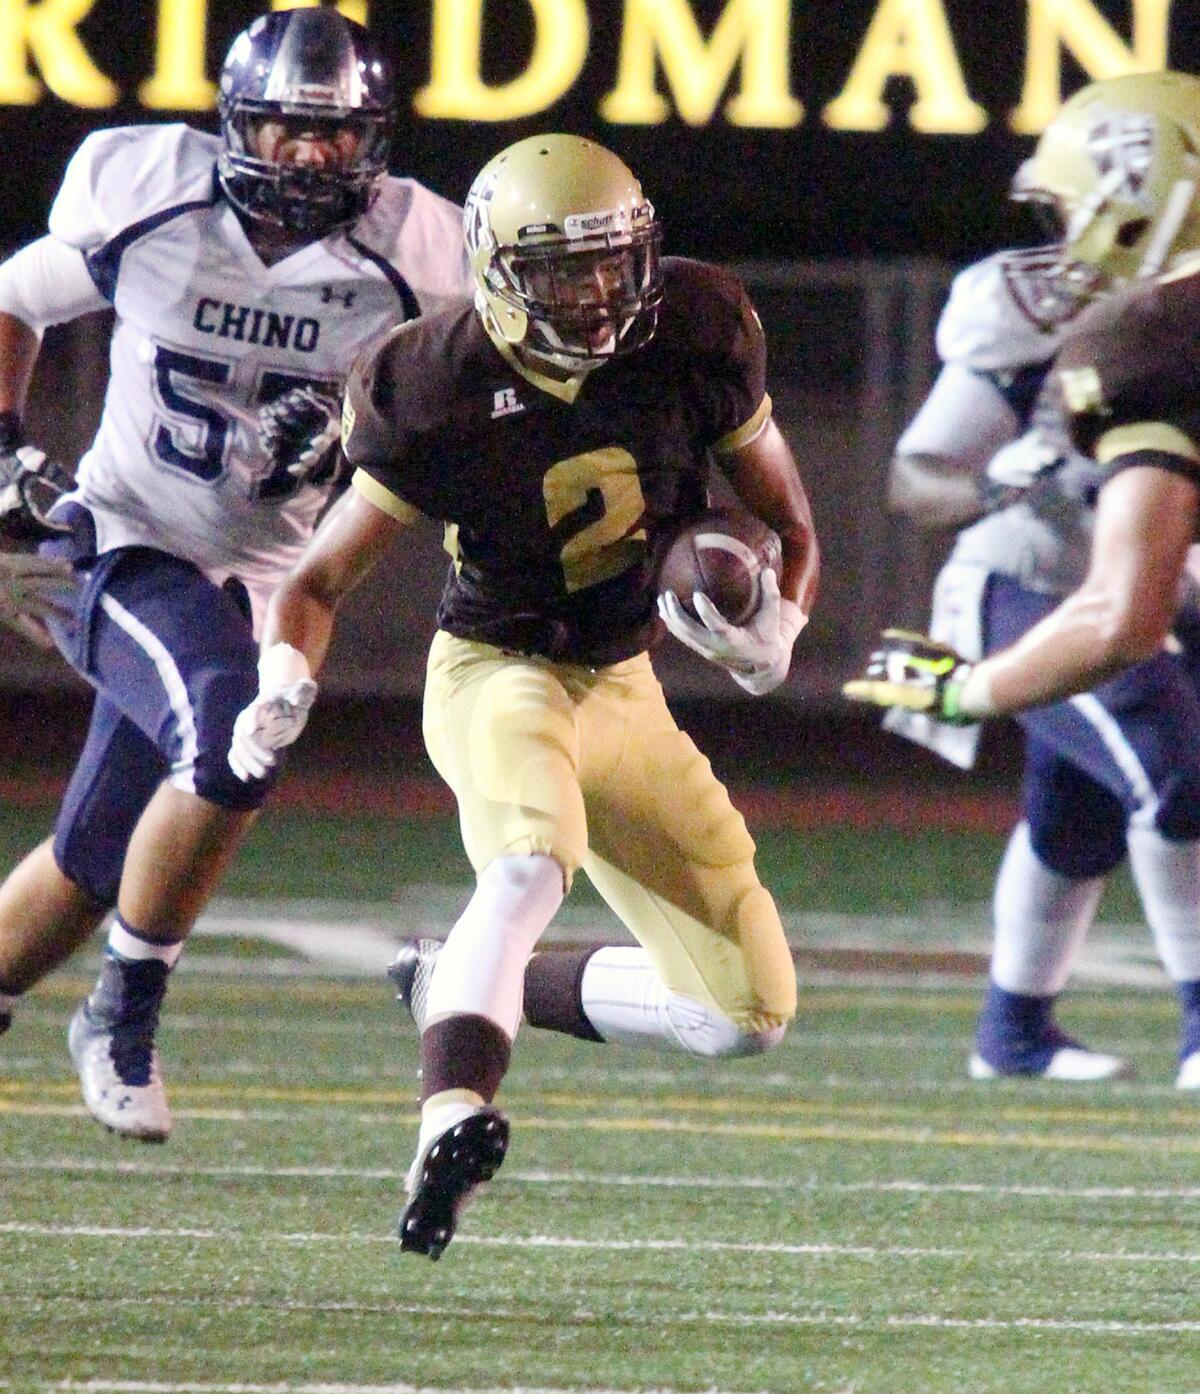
pixel 965 418
pixel 47 283
pixel 369 436
pixel 727 339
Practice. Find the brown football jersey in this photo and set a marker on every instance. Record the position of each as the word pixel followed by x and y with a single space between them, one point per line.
pixel 1129 369
pixel 554 495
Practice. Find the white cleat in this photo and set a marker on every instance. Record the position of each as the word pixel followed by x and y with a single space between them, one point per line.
pixel 122 1084
pixel 1068 1065
pixel 1189 1072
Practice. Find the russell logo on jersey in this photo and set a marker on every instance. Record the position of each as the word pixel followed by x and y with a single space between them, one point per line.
pixel 504 403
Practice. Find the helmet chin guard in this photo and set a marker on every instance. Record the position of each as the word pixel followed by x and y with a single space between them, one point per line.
pixel 318 75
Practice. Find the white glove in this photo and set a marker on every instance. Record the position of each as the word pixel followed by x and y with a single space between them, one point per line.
pixel 32 589
pixel 276 716
pixel 757 654
pixel 1022 461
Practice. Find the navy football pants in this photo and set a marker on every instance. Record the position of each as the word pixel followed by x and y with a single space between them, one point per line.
pixel 173 660
pixel 1129 751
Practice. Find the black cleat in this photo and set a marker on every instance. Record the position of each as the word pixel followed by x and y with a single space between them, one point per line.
pixel 461 1159
pixel 411 971
pixel 5 1022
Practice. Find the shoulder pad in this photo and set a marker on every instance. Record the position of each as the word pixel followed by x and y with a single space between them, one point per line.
pixel 398 384
pixel 683 276
pixel 1133 358
pixel 421 235
pixel 705 307
pixel 119 176
pixel 983 328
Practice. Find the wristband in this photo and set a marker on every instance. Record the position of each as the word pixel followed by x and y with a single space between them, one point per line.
pixel 971 698
pixel 280 666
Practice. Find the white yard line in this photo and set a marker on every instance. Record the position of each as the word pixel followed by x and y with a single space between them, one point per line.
pixel 868 1252
pixel 592 1180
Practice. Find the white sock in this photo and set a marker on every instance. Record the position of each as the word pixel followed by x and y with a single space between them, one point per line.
pixel 1167 875
pixel 437 1115
pixel 1041 919
pixel 133 948
pixel 481 968
pixel 8 1001
pixel 625 1000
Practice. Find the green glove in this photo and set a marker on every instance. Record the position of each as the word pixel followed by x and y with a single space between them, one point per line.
pixel 915 672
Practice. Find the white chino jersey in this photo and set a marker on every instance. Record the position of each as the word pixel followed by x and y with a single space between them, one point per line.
pixel 206 334
pixel 1043 539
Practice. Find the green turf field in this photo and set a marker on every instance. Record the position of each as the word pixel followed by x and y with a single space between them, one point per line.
pixel 846 1215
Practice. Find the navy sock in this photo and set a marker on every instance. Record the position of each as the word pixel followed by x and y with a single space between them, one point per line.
pixel 1189 1000
pixel 1017 1031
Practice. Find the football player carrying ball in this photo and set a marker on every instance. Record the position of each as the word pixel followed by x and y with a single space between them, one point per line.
pixel 560 424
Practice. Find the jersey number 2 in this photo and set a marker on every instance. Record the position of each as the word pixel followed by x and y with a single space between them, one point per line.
pixel 594 504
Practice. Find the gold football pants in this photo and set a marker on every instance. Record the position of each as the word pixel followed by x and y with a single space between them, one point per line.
pixel 590 768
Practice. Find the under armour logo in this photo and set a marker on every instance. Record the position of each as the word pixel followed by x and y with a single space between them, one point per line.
pixel 329 295
pixel 504 403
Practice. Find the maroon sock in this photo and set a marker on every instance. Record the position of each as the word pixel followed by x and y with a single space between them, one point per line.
pixel 553 981
pixel 463 1052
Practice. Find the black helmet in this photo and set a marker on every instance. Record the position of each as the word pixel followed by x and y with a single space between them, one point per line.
pixel 315 69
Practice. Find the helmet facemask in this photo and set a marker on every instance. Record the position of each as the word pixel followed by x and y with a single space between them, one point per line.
pixel 1047 285
pixel 584 301
pixel 303 75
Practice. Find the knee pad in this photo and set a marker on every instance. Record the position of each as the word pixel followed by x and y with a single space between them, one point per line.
pixel 1076 826
pixel 770 971
pixel 1178 813
pixel 1075 852
pixel 94 867
pixel 229 684
pixel 210 777
pixel 702 1030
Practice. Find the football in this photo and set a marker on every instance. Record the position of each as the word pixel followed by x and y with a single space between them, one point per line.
pixel 723 553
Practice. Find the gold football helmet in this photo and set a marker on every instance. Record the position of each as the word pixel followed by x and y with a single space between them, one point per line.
pixel 565 251
pixel 1115 173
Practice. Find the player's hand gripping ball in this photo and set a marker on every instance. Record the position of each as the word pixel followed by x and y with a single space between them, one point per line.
pixel 723 554
pixel 719 595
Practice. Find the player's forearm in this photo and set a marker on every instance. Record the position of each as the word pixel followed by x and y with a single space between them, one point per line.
pixel 800 574
pixel 299 617
pixel 18 353
pixel 933 491
pixel 764 476
pixel 1086 641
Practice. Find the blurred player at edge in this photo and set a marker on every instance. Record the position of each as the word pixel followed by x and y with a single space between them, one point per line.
pixel 1118 170
pixel 246 272
pixel 560 426
pixel 991 438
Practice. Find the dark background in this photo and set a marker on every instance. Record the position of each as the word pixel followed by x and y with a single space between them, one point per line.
pixel 725 192
pixel 846 241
